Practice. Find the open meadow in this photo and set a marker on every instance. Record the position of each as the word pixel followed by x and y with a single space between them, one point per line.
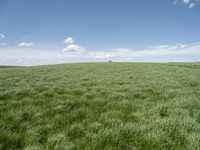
pixel 100 106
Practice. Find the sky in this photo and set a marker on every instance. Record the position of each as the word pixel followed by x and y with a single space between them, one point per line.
pixel 37 32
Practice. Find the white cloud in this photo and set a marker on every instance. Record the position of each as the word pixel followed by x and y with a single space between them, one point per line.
pixel 186 1
pixel 26 44
pixel 2 36
pixel 69 41
pixel 170 47
pixel 72 47
pixel 191 5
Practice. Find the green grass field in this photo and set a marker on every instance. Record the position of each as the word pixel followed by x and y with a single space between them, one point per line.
pixel 100 106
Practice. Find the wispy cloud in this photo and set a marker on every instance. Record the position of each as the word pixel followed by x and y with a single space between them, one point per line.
pixel 188 3
pixel 191 5
pixel 3 44
pixel 2 36
pixel 158 50
pixel 154 51
pixel 26 44
pixel 175 2
pixel 72 47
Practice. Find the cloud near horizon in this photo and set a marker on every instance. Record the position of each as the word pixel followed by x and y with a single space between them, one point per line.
pixel 26 44
pixel 154 51
pixel 72 47
pixel 158 50
pixel 157 53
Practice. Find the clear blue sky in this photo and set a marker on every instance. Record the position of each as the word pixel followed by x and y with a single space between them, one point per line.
pixel 100 24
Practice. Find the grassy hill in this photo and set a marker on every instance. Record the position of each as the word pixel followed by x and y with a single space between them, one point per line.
pixel 100 106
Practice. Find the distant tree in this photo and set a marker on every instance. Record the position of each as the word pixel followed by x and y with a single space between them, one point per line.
pixel 110 61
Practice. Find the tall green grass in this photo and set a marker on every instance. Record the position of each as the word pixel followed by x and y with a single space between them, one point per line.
pixel 111 106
